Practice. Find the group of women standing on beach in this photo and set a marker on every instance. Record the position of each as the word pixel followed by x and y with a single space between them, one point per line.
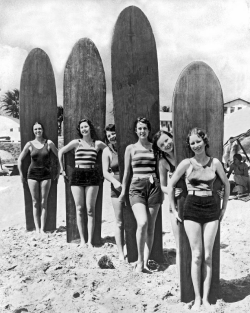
pixel 150 163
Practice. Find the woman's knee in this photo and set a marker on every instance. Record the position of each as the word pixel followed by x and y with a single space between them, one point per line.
pixel 208 258
pixel 91 211
pixel 142 224
pixel 120 224
pixel 79 209
pixel 197 257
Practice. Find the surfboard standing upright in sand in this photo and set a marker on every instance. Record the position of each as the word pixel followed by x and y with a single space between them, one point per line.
pixel 38 103
pixel 197 102
pixel 135 86
pixel 84 97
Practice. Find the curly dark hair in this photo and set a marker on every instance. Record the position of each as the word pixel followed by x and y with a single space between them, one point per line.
pixel 92 129
pixel 199 132
pixel 157 151
pixel 238 156
pixel 111 128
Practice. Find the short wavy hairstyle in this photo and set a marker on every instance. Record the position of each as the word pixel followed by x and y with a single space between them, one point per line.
pixel 157 151
pixel 238 156
pixel 143 120
pixel 92 129
pixel 110 128
pixel 199 132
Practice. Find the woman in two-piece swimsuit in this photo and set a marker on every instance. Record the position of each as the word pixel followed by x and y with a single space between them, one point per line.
pixel 39 173
pixel 85 178
pixel 145 194
pixel 111 172
pixel 201 213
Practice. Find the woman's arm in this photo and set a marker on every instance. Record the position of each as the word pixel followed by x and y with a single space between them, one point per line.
pixel 54 149
pixel 225 182
pixel 127 171
pixel 20 159
pixel 106 160
pixel 163 172
pixel 179 172
pixel 71 145
pixel 100 145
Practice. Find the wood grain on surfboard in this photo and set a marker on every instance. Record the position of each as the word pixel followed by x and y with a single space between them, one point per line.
pixel 38 103
pixel 135 86
pixel 197 102
pixel 84 97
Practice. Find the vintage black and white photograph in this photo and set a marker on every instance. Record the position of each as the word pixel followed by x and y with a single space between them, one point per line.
pixel 124 156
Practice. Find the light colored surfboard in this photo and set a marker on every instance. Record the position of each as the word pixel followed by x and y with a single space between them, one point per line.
pixel 84 97
pixel 197 102
pixel 135 86
pixel 38 103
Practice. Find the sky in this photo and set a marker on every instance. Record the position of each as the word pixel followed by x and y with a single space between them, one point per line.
pixel 214 31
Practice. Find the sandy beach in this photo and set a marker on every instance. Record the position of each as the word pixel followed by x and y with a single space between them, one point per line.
pixel 46 274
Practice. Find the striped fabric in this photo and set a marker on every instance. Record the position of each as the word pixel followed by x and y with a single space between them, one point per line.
pixel 143 163
pixel 85 156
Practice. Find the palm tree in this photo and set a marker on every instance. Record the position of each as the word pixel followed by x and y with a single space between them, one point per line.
pixel 10 103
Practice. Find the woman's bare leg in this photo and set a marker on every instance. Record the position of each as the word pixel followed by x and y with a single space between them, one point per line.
pixel 175 229
pixel 141 217
pixel 91 193
pixel 152 215
pixel 44 191
pixel 119 227
pixel 194 233
pixel 209 234
pixel 34 187
pixel 79 198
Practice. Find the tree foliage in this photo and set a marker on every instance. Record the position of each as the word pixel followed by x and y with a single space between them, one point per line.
pixel 10 103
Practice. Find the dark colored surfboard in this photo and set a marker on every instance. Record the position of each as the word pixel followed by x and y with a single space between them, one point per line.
pixel 84 97
pixel 197 102
pixel 135 86
pixel 38 102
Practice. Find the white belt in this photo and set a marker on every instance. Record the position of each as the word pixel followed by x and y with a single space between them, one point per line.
pixel 200 193
pixel 85 166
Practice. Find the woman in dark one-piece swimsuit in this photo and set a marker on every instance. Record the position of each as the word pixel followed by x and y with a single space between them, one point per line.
pixel 39 173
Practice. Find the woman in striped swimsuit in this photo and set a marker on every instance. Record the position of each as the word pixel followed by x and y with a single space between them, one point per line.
pixel 85 178
pixel 145 194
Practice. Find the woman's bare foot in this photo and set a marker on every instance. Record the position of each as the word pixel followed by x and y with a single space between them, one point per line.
pixel 89 245
pixel 138 267
pixel 43 233
pixel 197 305
pixel 207 305
pixel 83 244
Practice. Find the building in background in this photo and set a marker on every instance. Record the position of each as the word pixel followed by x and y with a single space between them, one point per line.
pixel 9 129
pixel 235 105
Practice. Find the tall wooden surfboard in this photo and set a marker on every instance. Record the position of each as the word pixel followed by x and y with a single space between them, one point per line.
pixel 84 97
pixel 38 102
pixel 197 102
pixel 135 86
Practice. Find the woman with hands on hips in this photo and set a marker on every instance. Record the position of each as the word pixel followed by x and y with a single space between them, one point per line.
pixel 201 214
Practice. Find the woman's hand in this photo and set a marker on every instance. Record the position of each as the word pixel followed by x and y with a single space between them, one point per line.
pixel 221 193
pixel 122 197
pixel 177 192
pixel 65 176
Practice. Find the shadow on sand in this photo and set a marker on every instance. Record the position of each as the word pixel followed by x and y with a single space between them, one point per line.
pixel 236 289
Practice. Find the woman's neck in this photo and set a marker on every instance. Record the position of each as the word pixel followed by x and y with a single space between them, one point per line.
pixel 201 158
pixel 39 139
pixel 87 139
pixel 144 142
pixel 170 156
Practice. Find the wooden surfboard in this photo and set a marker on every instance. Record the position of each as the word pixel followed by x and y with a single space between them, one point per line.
pixel 38 103
pixel 197 102
pixel 135 86
pixel 84 97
